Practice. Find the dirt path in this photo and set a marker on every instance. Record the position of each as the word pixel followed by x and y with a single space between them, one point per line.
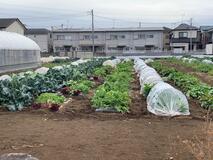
pixel 91 139
pixel 79 133
pixel 204 77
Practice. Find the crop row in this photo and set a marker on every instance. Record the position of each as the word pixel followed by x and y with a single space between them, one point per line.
pixel 197 65
pixel 188 83
pixel 113 95
pixel 22 89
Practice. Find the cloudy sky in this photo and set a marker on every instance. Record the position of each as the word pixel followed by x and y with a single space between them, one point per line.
pixel 108 13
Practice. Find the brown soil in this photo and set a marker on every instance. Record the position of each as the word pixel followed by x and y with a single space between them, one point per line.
pixel 77 132
pixel 204 77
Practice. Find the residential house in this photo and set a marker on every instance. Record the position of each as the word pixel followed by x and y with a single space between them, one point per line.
pixel 185 38
pixel 209 41
pixel 110 41
pixel 12 25
pixel 42 37
pixel 206 35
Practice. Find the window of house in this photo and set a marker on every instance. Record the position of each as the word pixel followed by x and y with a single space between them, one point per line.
pixel 86 37
pixel 60 37
pixel 68 37
pixel 95 37
pixel 122 37
pixel 150 36
pixel 183 34
pixel 141 36
pixel 113 37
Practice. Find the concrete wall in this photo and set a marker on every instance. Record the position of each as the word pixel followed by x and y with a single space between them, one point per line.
pixel 15 27
pixel 209 49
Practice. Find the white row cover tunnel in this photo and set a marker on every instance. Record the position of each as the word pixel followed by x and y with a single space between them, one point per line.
pixel 163 99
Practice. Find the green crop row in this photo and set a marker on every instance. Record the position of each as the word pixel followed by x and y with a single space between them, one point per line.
pixel 24 88
pixel 196 65
pixel 188 83
pixel 114 93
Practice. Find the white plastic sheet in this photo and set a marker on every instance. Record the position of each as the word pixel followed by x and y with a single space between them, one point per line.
pixel 5 77
pixel 147 61
pixel 42 70
pixel 15 41
pixel 165 100
pixel 207 61
pixel 113 63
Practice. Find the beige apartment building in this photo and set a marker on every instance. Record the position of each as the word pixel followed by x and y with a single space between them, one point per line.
pixel 111 41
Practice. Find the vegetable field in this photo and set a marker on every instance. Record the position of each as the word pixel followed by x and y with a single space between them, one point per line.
pixel 109 108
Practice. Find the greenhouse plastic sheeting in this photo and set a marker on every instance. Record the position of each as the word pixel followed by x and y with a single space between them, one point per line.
pixel 165 100
pixel 5 77
pixel 151 80
pixel 112 63
pixel 42 70
pixel 15 41
pixel 147 61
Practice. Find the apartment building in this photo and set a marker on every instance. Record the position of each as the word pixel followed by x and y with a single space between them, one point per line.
pixel 42 37
pixel 185 38
pixel 111 41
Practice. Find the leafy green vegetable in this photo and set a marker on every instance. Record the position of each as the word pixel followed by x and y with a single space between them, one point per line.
pixel 147 89
pixel 51 98
pixel 188 83
pixel 114 92
pixel 22 90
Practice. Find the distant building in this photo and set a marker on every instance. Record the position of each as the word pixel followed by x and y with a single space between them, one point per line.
pixel 185 38
pixel 209 41
pixel 206 35
pixel 12 25
pixel 42 37
pixel 111 41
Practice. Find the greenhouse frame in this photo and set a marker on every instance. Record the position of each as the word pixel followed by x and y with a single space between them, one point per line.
pixel 17 52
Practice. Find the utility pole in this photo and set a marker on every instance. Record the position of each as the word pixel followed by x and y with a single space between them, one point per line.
pixel 93 40
pixel 191 34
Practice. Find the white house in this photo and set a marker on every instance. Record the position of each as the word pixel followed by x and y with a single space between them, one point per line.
pixel 12 25
pixel 42 37
pixel 185 38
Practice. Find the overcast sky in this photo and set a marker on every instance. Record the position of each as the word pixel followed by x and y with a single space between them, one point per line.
pixel 108 13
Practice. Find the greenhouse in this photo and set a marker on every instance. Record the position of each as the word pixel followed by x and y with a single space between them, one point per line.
pixel 17 52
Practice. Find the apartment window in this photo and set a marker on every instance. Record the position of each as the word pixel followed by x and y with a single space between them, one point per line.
pixel 59 49
pixel 95 37
pixel 68 37
pixel 60 37
pixel 141 36
pixel 86 37
pixel 139 48
pixel 183 34
pixel 122 37
pixel 113 37
pixel 150 36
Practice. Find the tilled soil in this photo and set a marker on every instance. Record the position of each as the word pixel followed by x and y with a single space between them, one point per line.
pixel 77 132
pixel 204 77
